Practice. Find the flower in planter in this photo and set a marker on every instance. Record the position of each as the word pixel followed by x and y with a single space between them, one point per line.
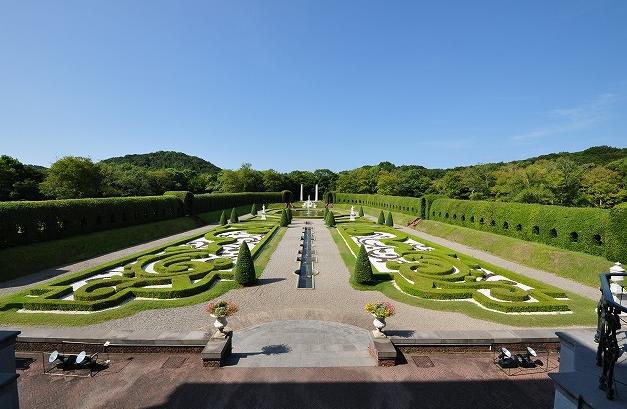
pixel 382 309
pixel 222 308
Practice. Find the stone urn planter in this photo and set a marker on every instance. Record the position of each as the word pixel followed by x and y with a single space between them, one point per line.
pixel 379 324
pixel 380 311
pixel 219 323
pixel 220 310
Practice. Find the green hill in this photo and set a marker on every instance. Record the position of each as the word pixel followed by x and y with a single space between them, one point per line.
pixel 166 159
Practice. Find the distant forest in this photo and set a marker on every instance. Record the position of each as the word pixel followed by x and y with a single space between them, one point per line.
pixel 594 177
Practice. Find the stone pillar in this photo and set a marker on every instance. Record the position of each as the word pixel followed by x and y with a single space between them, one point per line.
pixel 316 193
pixel 301 192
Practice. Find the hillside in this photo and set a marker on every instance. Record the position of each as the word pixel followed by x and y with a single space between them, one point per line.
pixel 166 159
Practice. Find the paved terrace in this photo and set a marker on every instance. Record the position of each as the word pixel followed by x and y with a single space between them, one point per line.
pixel 180 381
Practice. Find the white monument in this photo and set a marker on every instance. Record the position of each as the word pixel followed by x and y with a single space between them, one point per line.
pixel 353 214
pixel 301 192
pixel 316 196
pixel 263 212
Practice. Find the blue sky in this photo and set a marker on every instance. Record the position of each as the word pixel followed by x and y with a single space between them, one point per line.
pixel 312 84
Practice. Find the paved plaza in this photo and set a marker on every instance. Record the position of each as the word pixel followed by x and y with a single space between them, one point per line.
pixel 180 381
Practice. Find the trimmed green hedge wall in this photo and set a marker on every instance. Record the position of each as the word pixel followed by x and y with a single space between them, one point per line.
pixel 571 228
pixel 616 236
pixel 217 201
pixel 33 221
pixel 401 204
pixel 28 222
pixel 590 230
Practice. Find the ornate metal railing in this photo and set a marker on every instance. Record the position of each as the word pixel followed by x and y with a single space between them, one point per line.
pixel 608 311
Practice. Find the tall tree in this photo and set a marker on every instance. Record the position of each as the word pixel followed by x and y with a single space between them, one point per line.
pixel 72 177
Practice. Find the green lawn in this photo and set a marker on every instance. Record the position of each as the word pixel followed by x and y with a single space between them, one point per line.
pixel 583 308
pixel 9 316
pixel 580 267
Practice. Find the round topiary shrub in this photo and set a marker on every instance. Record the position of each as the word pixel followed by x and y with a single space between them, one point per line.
pixel 244 271
pixel 363 268
pixel 223 219
pixel 389 220
pixel 361 211
pixel 253 209
pixel 284 219
pixel 234 217
pixel 381 219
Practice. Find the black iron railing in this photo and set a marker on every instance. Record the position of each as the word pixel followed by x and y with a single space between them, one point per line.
pixel 608 311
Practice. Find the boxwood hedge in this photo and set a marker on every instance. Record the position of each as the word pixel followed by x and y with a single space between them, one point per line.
pixel 28 222
pixel 571 228
pixel 616 236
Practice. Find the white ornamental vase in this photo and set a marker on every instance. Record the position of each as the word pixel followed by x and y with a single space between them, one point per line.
pixel 379 324
pixel 219 323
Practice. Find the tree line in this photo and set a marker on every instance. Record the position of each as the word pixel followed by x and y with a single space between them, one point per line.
pixel 595 177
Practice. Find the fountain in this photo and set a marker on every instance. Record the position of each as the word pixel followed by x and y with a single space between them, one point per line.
pixel 306 271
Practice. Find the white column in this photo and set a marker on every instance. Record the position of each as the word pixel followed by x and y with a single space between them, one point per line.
pixel 301 192
pixel 316 192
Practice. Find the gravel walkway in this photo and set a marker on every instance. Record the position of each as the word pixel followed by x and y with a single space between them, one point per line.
pixel 277 298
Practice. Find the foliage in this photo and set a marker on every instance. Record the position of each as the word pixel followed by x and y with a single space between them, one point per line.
pixel 18 181
pixel 222 308
pixel 381 219
pixel 330 219
pixel 215 201
pixel 363 268
pixel 244 271
pixel 165 159
pixel 578 229
pixel 71 178
pixel 234 216
pixel 253 209
pixel 184 196
pixel 361 211
pixel 616 233
pixel 223 219
pixel 381 309
pixel 284 219
pixel 290 216
pixel 29 222
pixel 389 220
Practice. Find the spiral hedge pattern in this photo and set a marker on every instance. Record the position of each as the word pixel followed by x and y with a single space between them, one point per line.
pixel 437 273
pixel 184 269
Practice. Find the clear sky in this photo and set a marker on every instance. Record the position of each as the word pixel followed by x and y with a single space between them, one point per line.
pixel 312 84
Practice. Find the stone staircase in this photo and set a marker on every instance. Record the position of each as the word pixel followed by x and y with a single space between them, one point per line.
pixel 414 222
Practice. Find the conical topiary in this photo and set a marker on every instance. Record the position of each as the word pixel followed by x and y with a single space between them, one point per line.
pixel 363 268
pixel 331 219
pixel 253 209
pixel 381 219
pixel 244 271
pixel 361 211
pixel 289 215
pixel 284 219
pixel 223 219
pixel 389 221
pixel 234 217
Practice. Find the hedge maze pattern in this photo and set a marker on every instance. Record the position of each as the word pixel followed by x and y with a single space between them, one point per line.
pixel 181 270
pixel 439 274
